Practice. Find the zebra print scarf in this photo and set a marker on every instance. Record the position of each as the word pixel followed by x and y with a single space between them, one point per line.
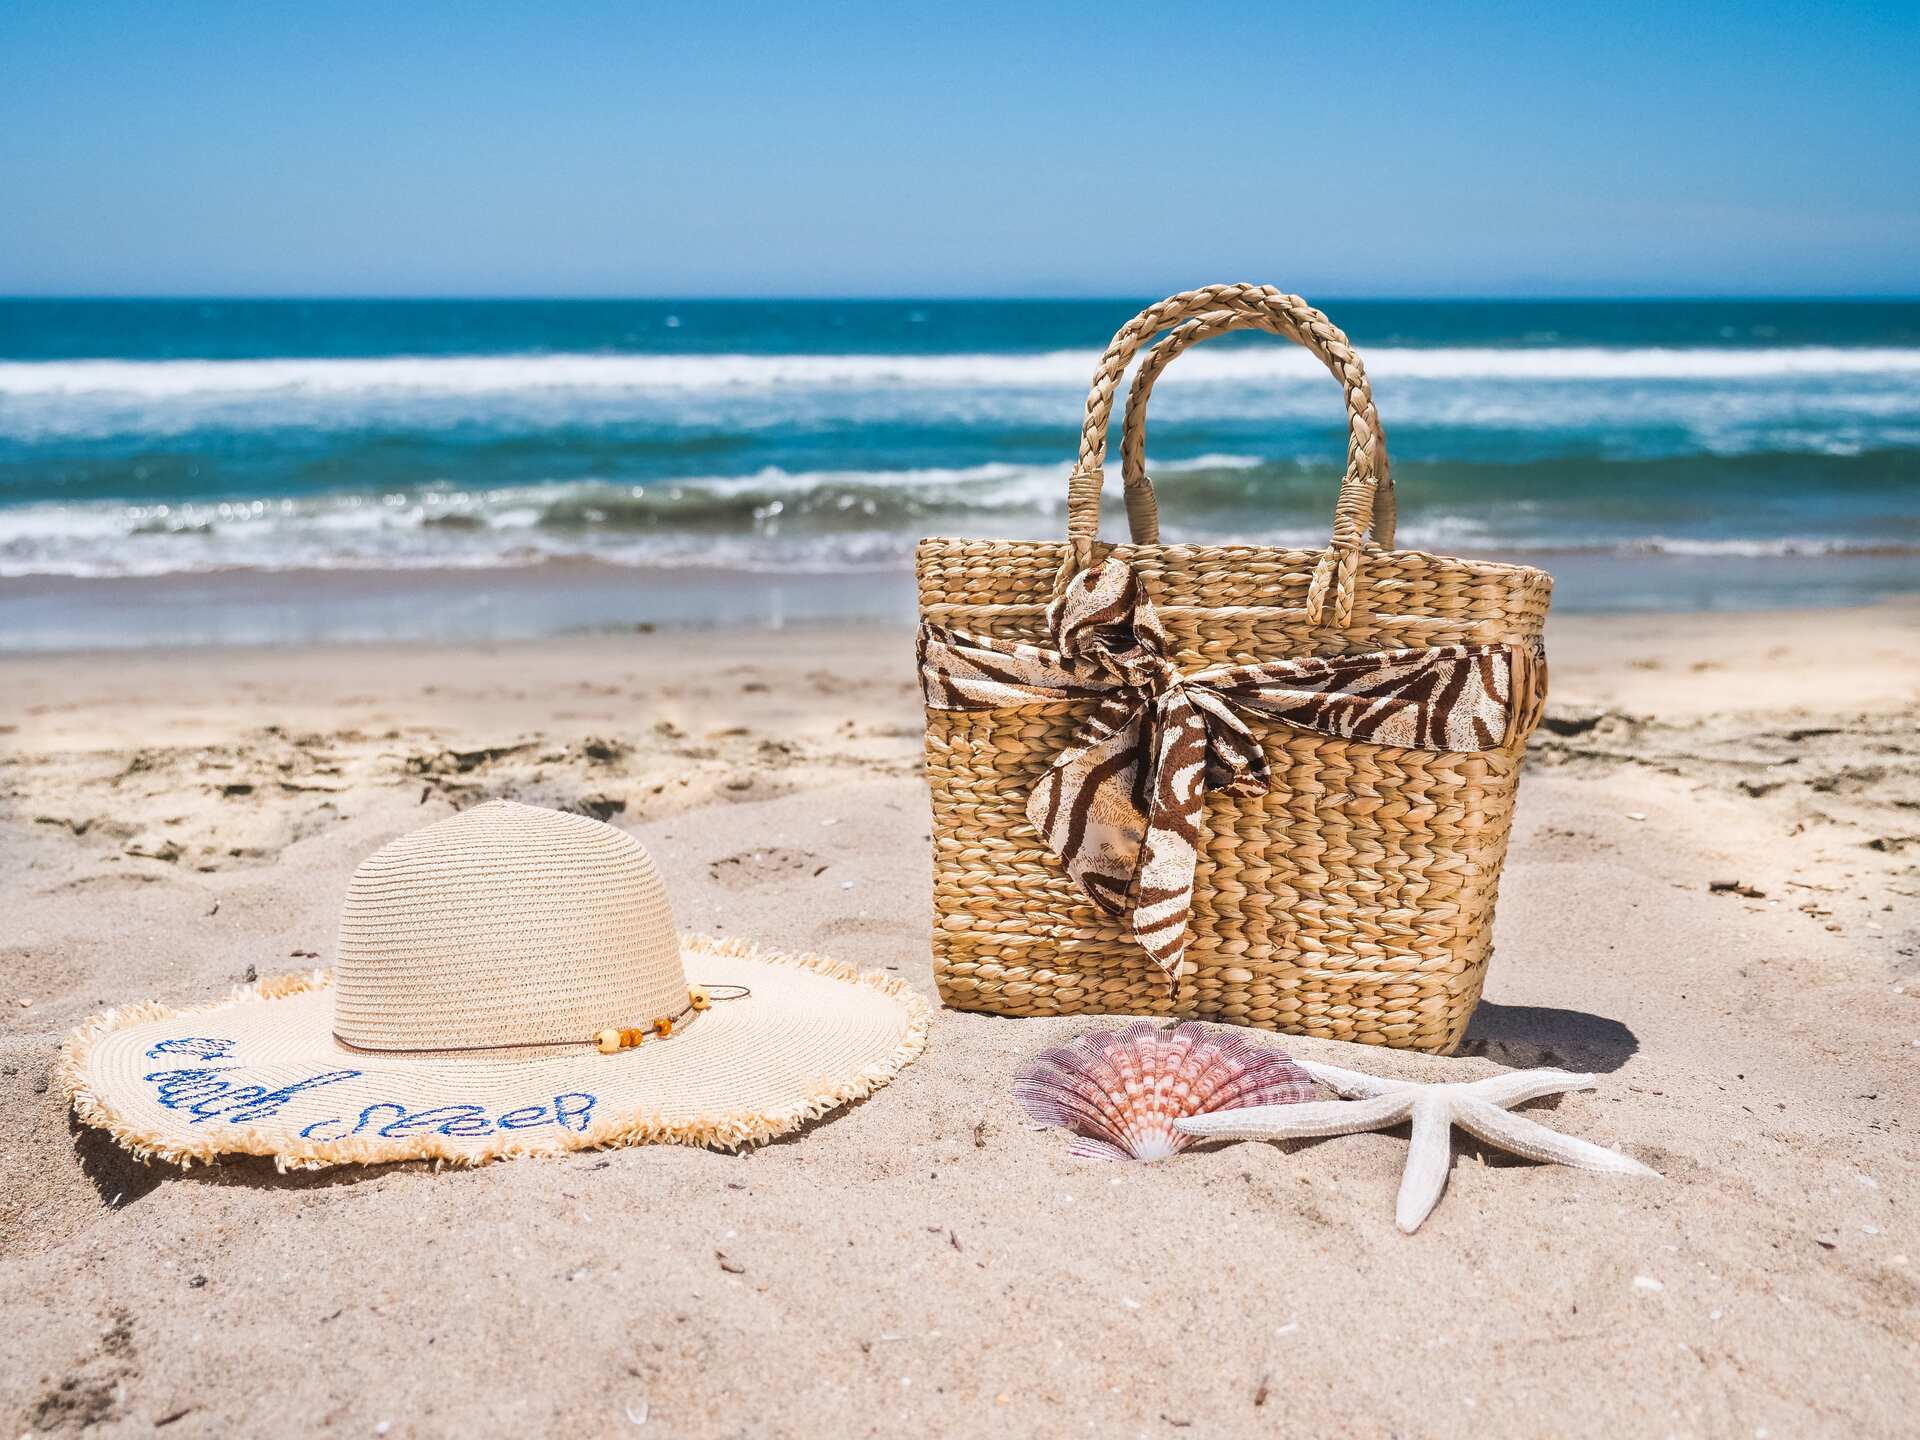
pixel 1121 805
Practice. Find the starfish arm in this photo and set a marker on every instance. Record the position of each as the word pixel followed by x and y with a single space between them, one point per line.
pixel 1427 1161
pixel 1305 1120
pixel 1517 1087
pixel 1352 1083
pixel 1535 1141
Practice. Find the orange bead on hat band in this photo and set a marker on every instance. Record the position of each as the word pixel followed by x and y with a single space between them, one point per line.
pixel 699 997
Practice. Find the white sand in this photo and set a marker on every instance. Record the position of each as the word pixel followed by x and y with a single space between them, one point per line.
pixel 927 1262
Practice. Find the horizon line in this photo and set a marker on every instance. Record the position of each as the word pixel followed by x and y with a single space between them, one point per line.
pixel 534 298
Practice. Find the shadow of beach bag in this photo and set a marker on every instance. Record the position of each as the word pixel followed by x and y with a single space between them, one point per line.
pixel 1235 782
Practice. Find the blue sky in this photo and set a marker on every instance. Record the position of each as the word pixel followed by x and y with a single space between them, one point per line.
pixel 978 149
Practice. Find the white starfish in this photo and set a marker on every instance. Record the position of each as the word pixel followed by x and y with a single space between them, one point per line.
pixel 1479 1107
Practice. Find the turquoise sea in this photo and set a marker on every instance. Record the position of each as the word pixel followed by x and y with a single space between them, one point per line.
pixel 1655 454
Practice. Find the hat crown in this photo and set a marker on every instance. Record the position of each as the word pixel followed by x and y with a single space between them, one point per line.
pixel 504 925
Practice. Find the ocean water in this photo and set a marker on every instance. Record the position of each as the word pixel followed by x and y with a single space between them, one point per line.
pixel 1721 452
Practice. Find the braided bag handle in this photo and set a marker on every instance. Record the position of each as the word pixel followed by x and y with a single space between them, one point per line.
pixel 1256 307
pixel 1143 508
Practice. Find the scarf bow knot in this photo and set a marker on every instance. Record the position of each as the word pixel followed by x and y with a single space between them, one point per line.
pixel 1121 805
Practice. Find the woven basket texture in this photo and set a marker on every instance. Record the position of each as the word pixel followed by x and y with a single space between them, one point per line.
pixel 1355 900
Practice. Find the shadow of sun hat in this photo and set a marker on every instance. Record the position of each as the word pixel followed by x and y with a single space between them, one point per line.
pixel 508 982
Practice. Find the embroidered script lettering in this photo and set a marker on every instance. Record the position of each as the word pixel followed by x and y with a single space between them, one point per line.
pixel 218 1092
pixel 194 1047
pixel 204 1095
pixel 389 1120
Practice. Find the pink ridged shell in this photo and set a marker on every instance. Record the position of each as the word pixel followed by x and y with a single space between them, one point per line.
pixel 1121 1090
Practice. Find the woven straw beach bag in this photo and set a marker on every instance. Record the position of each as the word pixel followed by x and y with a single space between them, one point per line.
pixel 1354 900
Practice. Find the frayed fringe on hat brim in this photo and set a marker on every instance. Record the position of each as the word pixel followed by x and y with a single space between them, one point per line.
pixel 731 1131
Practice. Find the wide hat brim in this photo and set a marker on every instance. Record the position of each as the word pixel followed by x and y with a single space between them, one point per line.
pixel 261 1073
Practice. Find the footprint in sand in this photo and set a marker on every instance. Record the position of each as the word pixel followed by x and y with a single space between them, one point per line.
pixel 762 867
pixel 121 880
pixel 847 926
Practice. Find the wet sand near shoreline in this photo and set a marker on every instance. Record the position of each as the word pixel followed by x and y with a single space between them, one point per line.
pixel 575 597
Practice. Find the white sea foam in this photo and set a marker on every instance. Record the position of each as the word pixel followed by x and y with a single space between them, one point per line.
pixel 822 520
pixel 503 374
pixel 786 521
pixel 506 525
pixel 1637 401
pixel 1769 549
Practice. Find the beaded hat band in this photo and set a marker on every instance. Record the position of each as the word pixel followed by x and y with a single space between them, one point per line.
pixel 699 997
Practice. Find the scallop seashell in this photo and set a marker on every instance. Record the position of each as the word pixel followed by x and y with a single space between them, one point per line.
pixel 1121 1090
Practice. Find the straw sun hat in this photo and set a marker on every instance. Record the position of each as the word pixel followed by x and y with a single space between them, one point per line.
pixel 509 982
